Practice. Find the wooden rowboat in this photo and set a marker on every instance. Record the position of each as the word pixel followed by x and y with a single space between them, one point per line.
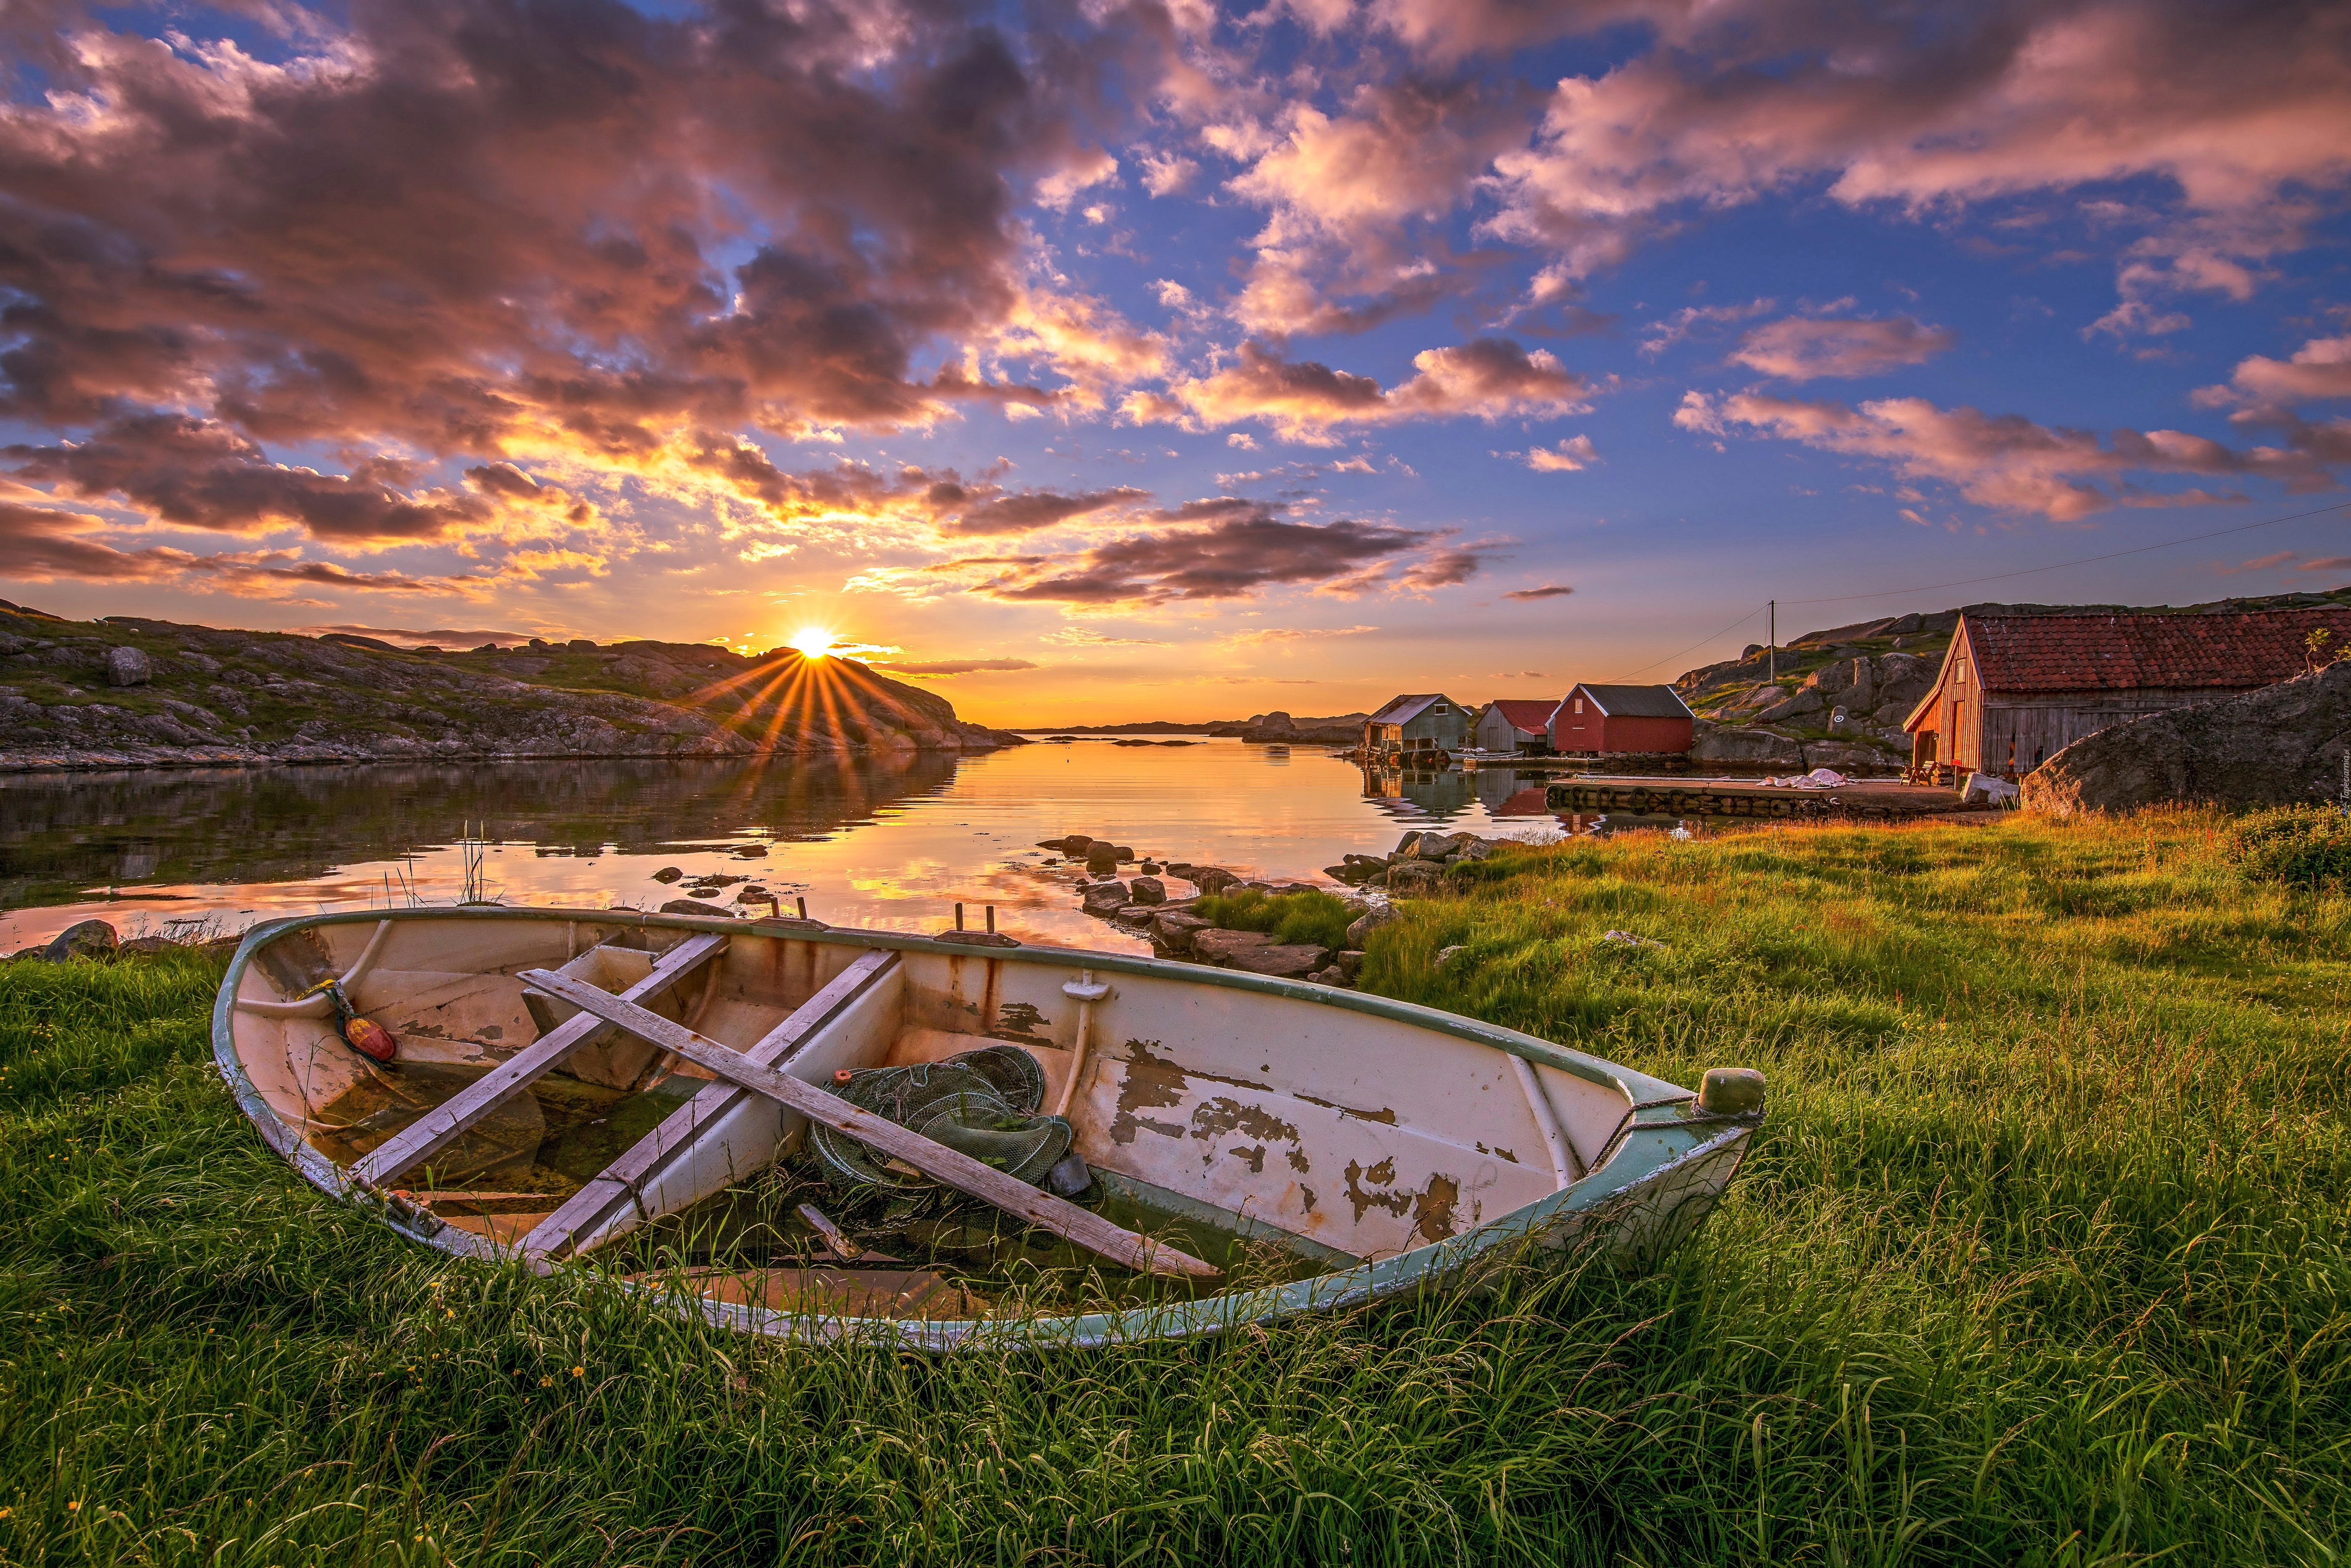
pixel 1352 1146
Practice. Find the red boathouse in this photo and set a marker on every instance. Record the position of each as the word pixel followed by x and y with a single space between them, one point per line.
pixel 1601 719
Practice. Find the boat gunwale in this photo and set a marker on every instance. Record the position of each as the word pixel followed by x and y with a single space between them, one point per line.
pixel 1650 1103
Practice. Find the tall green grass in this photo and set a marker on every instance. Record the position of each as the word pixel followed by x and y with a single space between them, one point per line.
pixel 1312 916
pixel 2040 1258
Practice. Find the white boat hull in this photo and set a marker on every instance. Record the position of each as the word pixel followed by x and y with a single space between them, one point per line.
pixel 1394 1143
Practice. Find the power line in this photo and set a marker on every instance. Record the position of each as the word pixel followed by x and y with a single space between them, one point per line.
pixel 1697 645
pixel 2060 566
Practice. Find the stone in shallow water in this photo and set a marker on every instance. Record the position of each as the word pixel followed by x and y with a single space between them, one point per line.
pixel 1282 960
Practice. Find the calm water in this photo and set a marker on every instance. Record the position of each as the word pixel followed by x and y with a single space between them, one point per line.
pixel 887 845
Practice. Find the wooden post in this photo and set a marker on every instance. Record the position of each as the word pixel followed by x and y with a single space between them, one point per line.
pixel 956 1169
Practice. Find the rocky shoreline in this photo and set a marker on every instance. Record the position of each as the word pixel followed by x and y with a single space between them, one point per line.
pixel 1181 927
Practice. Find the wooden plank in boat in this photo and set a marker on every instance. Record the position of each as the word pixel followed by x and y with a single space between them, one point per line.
pixel 956 1169
pixel 591 1212
pixel 436 1131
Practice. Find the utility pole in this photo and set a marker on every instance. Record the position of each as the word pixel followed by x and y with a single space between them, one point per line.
pixel 1771 640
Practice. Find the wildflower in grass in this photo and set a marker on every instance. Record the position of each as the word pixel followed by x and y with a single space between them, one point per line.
pixel 73 1505
pixel 546 1382
pixel 579 1372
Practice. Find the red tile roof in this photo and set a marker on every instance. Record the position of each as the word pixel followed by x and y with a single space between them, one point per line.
pixel 1533 716
pixel 2122 652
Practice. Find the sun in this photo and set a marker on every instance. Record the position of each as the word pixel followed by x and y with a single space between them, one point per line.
pixel 814 641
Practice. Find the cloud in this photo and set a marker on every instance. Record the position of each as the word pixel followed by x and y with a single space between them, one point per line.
pixel 201 473
pixel 1084 637
pixel 1799 349
pixel 1573 455
pixel 39 545
pixel 2241 110
pixel 1030 510
pixel 2320 369
pixel 1489 378
pixel 1263 634
pixel 2005 461
pixel 1694 320
pixel 1231 559
pixel 953 666
pixel 513 238
pixel 440 637
pixel 1549 590
pixel 1347 191
pixel 1167 174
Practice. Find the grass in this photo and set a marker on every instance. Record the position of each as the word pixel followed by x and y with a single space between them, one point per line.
pixel 1312 916
pixel 2040 1259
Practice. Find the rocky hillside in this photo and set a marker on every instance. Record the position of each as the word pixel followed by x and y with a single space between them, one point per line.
pixel 1842 695
pixel 130 692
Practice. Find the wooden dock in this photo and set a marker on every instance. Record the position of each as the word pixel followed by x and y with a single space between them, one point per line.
pixel 1869 799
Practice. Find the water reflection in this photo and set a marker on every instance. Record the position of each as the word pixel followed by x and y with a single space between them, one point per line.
pixel 891 845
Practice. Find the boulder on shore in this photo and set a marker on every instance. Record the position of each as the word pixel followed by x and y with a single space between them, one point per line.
pixel 2280 746
pixel 88 939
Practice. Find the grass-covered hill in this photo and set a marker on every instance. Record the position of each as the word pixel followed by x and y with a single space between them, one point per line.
pixel 2040 1258
pixel 130 693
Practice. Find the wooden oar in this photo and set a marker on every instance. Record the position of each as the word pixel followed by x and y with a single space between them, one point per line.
pixel 956 1169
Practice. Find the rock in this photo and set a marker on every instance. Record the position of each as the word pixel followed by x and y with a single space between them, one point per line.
pixel 1406 846
pixel 1755 747
pixel 1147 889
pixel 581 645
pixel 1370 921
pixel 693 906
pixel 128 667
pixel 1414 875
pixel 1475 849
pixel 1134 915
pixel 1806 700
pixel 1150 868
pixel 1177 928
pixel 146 947
pixel 668 873
pixel 751 852
pixel 1327 976
pixel 2275 746
pixel 1349 962
pixel 1988 787
pixel 1447 954
pixel 1212 879
pixel 1220 946
pixel 1629 939
pixel 1847 757
pixel 89 939
pixel 1281 961
pixel 1102 860
pixel 1103 896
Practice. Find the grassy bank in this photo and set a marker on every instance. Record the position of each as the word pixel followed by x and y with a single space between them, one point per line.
pixel 2040 1259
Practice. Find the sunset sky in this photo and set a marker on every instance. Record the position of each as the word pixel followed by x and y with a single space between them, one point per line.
pixel 1137 360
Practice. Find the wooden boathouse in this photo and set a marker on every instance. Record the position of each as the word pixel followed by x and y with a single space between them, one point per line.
pixel 1509 724
pixel 1411 729
pixel 2015 690
pixel 1603 720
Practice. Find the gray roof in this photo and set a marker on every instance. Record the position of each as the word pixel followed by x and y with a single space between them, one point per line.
pixel 1404 709
pixel 1638 702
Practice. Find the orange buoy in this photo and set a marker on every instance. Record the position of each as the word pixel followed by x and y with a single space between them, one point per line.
pixel 370 1038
